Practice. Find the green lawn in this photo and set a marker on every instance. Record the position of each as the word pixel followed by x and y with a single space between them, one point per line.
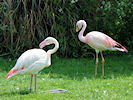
pixel 75 75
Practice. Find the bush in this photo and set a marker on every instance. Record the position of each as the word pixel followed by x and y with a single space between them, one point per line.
pixel 25 23
pixel 117 17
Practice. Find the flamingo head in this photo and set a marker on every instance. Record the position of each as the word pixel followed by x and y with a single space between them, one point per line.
pixel 47 41
pixel 80 24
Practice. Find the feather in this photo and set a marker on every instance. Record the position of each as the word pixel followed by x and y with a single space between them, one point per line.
pixel 119 47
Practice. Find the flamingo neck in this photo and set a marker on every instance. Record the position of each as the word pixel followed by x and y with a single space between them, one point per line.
pixel 49 59
pixel 81 37
pixel 51 51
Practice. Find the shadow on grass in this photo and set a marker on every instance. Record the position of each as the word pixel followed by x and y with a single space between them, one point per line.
pixel 19 92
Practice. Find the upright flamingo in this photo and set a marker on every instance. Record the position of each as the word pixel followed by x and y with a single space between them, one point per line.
pixel 34 60
pixel 99 41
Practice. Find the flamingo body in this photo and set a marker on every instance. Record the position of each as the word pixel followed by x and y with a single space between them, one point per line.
pixel 30 62
pixel 34 60
pixel 98 41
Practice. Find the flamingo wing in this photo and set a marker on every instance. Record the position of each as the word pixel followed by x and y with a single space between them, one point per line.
pixel 36 66
pixel 27 60
pixel 101 41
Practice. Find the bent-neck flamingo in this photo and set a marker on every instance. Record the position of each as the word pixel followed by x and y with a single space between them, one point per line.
pixel 34 60
pixel 99 41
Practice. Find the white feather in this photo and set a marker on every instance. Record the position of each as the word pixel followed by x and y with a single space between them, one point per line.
pixel 33 61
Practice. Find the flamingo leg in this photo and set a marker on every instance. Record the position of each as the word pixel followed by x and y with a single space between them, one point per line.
pixel 96 64
pixel 35 82
pixel 31 82
pixel 102 64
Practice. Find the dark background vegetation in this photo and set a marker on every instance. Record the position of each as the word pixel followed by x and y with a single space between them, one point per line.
pixel 25 23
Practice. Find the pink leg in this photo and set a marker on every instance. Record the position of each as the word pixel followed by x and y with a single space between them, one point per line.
pixel 35 82
pixel 31 82
pixel 96 64
pixel 102 64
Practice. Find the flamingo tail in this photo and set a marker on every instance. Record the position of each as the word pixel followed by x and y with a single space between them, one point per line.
pixel 120 47
pixel 10 74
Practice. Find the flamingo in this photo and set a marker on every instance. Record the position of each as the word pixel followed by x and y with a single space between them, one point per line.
pixel 98 41
pixel 34 60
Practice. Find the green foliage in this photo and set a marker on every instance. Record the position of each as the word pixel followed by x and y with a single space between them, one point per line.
pixel 117 19
pixel 25 23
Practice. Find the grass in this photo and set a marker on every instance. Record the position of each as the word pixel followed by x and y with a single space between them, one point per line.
pixel 75 75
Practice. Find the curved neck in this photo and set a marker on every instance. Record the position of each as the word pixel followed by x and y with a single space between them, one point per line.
pixel 81 37
pixel 51 51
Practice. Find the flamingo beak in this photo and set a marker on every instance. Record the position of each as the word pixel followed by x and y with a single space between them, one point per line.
pixel 42 44
pixel 77 29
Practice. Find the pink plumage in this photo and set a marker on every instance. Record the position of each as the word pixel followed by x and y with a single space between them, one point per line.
pixel 99 41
